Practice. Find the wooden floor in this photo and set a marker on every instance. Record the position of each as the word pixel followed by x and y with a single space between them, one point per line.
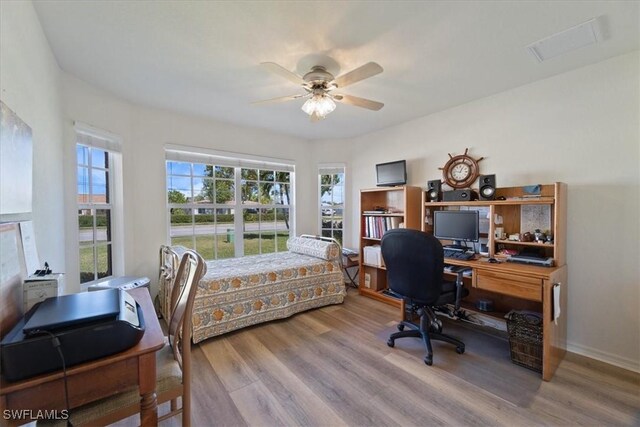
pixel 332 367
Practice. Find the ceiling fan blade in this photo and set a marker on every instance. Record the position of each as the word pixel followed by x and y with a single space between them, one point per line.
pixel 367 70
pixel 359 102
pixel 283 72
pixel 279 99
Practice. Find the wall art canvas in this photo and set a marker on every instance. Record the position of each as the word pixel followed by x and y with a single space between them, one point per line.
pixel 16 160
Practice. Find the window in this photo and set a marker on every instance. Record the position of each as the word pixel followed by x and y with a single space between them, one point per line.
pixel 202 208
pixel 94 212
pixel 265 210
pixel 332 191
pixel 227 208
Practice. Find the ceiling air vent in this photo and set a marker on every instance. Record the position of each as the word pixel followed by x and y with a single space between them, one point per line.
pixel 581 35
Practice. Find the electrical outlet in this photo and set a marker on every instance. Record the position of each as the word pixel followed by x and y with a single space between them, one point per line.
pixel 367 280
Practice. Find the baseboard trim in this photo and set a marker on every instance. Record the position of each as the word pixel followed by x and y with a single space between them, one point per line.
pixel 603 356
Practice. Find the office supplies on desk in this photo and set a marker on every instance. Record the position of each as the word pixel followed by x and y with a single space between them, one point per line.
pixel 38 288
pixel 88 326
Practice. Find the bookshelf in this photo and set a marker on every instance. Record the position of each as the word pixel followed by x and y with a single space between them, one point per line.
pixel 382 209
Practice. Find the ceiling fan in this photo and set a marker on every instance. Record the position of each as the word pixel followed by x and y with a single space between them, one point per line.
pixel 319 85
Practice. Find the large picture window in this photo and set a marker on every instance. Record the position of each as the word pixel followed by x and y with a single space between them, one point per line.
pixel 331 190
pixel 229 211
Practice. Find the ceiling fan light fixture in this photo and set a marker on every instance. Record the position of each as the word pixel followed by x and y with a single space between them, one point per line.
pixel 319 104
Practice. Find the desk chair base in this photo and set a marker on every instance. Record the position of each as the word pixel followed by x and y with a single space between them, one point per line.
pixel 430 328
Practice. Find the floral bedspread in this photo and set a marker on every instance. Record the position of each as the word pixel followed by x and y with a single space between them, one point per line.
pixel 240 292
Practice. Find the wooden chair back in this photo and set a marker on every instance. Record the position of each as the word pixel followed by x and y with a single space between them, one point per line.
pixel 191 269
pixel 169 262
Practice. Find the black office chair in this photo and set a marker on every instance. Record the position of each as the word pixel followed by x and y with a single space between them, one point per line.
pixel 415 263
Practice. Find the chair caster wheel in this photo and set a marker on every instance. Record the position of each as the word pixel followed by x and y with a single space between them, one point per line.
pixel 391 343
pixel 460 350
pixel 400 327
pixel 428 360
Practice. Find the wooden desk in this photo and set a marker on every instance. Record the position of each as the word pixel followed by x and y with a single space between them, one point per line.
pixel 97 379
pixel 528 287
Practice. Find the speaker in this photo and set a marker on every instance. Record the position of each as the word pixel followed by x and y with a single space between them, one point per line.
pixel 487 187
pixel 433 191
pixel 459 196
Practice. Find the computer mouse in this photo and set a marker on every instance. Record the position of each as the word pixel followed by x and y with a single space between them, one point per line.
pixel 493 260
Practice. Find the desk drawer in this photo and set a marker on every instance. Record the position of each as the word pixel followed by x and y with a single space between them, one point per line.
pixel 510 284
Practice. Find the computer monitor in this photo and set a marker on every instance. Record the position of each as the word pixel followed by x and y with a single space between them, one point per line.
pixel 459 226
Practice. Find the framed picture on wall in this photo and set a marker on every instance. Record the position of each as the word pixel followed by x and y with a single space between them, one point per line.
pixel 16 160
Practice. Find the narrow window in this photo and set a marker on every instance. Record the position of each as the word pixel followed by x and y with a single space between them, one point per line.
pixel 332 201
pixel 94 213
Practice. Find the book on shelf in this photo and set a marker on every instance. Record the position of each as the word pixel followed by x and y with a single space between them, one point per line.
pixel 384 212
pixel 376 226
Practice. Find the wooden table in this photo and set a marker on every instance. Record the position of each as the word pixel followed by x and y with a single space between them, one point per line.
pixel 97 379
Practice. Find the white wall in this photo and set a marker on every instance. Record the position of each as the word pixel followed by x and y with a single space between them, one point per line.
pixel 582 128
pixel 29 80
pixel 144 132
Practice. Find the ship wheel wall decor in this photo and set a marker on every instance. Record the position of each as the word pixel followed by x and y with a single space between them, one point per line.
pixel 461 171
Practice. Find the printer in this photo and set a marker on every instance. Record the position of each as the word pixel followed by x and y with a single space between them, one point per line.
pixel 88 325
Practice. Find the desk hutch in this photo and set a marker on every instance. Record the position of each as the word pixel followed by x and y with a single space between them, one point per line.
pixel 508 285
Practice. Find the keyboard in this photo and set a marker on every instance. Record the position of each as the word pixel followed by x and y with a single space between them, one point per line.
pixel 464 256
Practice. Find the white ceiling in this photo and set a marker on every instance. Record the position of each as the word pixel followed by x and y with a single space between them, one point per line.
pixel 201 58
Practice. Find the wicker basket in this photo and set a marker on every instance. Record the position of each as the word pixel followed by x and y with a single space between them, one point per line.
pixel 525 339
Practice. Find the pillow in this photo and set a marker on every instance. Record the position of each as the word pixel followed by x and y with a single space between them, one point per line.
pixel 313 247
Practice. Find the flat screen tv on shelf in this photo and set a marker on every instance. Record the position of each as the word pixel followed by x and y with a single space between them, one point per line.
pixel 391 173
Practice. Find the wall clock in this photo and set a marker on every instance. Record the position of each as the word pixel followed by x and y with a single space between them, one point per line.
pixel 461 171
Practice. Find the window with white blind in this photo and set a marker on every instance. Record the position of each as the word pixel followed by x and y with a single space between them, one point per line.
pixel 331 189
pixel 97 158
pixel 224 205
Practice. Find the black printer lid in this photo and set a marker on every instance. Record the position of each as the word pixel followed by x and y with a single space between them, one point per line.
pixel 72 310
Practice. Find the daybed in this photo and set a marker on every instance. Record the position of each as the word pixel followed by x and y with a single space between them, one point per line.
pixel 240 292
